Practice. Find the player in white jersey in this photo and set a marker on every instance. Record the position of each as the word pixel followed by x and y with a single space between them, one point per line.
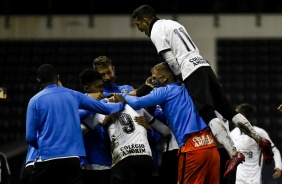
pixel 124 129
pixel 173 42
pixel 250 171
pixel 131 152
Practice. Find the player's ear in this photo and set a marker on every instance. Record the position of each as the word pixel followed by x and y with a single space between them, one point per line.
pixel 146 20
pixel 39 82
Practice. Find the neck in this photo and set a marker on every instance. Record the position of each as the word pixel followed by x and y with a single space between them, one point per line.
pixel 43 85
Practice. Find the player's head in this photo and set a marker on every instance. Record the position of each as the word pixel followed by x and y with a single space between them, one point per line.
pixel 142 17
pixel 103 65
pixel 162 75
pixel 91 80
pixel 46 74
pixel 246 110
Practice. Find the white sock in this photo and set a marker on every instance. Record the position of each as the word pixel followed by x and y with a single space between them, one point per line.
pixel 245 126
pixel 222 136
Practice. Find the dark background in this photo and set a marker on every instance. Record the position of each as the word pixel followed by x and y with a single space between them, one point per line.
pixel 40 7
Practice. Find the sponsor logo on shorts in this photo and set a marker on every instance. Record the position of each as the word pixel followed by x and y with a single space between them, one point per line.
pixel 197 60
pixel 202 140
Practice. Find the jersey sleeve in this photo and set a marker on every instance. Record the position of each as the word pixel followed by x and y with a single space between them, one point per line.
pixel 155 97
pixel 93 121
pixel 158 37
pixel 31 124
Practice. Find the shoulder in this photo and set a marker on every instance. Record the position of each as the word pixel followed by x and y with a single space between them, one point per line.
pixel 235 131
pixel 161 89
pixel 261 132
pixel 37 96
pixel 174 87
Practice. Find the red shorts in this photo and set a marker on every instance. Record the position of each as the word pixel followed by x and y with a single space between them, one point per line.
pixel 199 161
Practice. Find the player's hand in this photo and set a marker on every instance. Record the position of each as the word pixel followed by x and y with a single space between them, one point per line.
pixel 118 98
pixel 279 108
pixel 109 119
pixel 141 120
pixel 149 82
pixel 277 173
pixel 132 93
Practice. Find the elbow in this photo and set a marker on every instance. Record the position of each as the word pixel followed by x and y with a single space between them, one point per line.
pixel 31 142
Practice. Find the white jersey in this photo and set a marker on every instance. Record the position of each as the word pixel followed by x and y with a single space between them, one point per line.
pixel 170 35
pixel 128 138
pixel 250 171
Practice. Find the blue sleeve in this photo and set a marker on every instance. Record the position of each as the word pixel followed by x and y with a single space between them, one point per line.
pixel 31 124
pixel 156 97
pixel 85 113
pixel 88 103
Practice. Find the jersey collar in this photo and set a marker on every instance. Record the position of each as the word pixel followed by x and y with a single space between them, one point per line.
pixel 151 25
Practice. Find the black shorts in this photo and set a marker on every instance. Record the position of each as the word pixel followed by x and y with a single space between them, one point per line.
pixel 204 88
pixel 62 170
pixel 96 176
pixel 133 169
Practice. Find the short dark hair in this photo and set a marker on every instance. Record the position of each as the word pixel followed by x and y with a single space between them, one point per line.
pixel 247 110
pixel 46 73
pixel 143 90
pixel 143 11
pixel 89 75
pixel 101 62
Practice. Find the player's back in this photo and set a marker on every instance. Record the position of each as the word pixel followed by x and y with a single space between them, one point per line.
pixel 250 171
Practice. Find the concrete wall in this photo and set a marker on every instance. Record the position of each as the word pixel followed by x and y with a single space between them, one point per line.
pixel 202 28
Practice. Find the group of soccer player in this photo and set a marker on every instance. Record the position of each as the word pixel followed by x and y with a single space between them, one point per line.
pixel 116 143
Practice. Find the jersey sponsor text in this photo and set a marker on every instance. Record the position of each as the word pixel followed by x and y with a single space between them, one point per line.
pixel 133 148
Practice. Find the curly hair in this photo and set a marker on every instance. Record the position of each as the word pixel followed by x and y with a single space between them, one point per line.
pixel 101 62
